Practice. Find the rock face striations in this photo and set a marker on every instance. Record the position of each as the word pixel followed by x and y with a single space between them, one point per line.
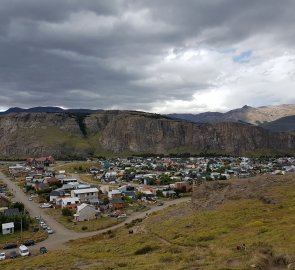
pixel 70 135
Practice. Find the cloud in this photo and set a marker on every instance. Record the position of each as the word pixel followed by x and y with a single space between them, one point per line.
pixel 159 56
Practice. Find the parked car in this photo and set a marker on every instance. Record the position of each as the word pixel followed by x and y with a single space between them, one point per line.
pixel 2 256
pixel 10 245
pixel 43 250
pixel 122 216
pixel 23 251
pixel 12 255
pixel 49 230
pixel 29 242
pixel 160 203
pixel 45 205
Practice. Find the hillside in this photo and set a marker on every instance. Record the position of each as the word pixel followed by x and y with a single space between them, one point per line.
pixel 185 237
pixel 284 124
pixel 247 114
pixel 76 135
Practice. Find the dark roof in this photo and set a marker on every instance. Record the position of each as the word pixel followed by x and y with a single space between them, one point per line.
pixel 115 201
pixel 56 193
pixel 11 212
pixel 129 193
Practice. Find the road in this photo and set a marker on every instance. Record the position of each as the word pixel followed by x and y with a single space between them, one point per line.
pixel 62 234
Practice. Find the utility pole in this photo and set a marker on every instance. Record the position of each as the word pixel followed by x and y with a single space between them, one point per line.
pixel 21 229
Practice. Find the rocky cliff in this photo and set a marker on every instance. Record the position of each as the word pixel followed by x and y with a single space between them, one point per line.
pixel 67 135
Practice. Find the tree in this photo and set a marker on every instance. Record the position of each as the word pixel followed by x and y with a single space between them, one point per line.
pixel 18 205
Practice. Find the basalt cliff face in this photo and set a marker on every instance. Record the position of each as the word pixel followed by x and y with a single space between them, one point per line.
pixel 67 135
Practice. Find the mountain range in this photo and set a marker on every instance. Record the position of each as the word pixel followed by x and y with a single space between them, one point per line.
pixel 69 134
pixel 260 116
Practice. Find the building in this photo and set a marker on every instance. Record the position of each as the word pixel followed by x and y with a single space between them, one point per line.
pixel 8 228
pixel 85 194
pixel 70 203
pixel 86 212
pixel 40 161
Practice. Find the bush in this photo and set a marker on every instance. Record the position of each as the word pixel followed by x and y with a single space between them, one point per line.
pixel 144 250
pixel 84 228
pixel 66 212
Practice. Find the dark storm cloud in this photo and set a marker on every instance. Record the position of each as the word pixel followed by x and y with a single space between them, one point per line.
pixel 111 54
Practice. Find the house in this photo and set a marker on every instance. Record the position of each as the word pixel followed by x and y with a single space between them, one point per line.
pixel 40 161
pixel 130 194
pixel 114 194
pixel 8 228
pixel 11 212
pixel 169 193
pixel 51 180
pixel 70 203
pixel 116 204
pixel 69 180
pixel 41 186
pixel 54 194
pixel 185 186
pixel 86 212
pixel 85 194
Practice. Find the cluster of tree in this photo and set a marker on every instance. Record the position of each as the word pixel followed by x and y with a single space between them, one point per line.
pixel 21 220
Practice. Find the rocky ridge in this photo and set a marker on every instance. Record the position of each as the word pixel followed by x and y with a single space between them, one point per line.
pixel 70 135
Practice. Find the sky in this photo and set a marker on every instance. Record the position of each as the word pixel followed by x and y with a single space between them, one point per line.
pixel 160 56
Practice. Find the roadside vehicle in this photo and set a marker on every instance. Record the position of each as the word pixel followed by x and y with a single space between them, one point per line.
pixel 29 242
pixel 49 230
pixel 160 203
pixel 43 250
pixel 122 216
pixel 2 256
pixel 12 255
pixel 23 251
pixel 30 199
pixel 10 245
pixel 45 205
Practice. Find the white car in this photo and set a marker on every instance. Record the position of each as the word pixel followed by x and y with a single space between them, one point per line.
pixel 2 256
pixel 49 230
pixel 45 205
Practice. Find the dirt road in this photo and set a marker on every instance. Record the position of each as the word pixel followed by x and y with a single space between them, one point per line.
pixel 62 234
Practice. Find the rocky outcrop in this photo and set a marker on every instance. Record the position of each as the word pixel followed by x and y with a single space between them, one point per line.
pixel 67 135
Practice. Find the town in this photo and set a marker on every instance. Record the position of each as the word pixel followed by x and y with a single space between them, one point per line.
pixel 94 195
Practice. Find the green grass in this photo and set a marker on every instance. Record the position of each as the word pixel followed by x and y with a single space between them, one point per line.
pixel 92 225
pixel 180 238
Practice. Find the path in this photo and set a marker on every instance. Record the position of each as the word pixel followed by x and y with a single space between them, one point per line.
pixel 62 234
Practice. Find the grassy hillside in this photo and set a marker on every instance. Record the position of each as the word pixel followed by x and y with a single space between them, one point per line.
pixel 182 238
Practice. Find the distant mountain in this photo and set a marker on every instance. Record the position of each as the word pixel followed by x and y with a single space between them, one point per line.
pixel 75 135
pixel 246 114
pixel 46 110
pixel 284 124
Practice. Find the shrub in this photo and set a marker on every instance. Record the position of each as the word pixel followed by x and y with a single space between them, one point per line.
pixel 66 212
pixel 84 228
pixel 144 250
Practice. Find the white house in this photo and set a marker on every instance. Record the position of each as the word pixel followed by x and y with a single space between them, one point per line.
pixel 114 194
pixel 71 202
pixel 86 212
pixel 85 194
pixel 8 228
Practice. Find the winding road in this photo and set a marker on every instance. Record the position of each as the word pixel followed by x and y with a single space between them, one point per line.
pixel 62 234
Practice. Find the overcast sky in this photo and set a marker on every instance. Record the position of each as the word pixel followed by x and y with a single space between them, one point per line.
pixel 156 55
